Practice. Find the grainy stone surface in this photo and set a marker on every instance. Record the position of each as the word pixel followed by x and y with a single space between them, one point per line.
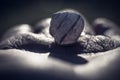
pixel 66 26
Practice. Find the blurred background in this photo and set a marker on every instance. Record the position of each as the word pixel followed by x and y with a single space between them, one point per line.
pixel 14 12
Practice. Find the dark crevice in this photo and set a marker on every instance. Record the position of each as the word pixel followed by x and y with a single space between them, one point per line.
pixel 67 53
pixel 34 48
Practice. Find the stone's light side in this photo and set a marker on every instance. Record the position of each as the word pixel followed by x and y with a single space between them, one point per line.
pixel 66 26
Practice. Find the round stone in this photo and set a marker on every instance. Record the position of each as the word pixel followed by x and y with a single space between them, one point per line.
pixel 66 26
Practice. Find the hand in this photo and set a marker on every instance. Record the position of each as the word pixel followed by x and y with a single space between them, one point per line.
pixel 30 53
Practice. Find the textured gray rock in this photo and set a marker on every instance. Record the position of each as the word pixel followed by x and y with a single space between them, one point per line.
pixel 66 26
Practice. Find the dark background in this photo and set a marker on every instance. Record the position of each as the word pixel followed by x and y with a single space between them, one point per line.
pixel 14 12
